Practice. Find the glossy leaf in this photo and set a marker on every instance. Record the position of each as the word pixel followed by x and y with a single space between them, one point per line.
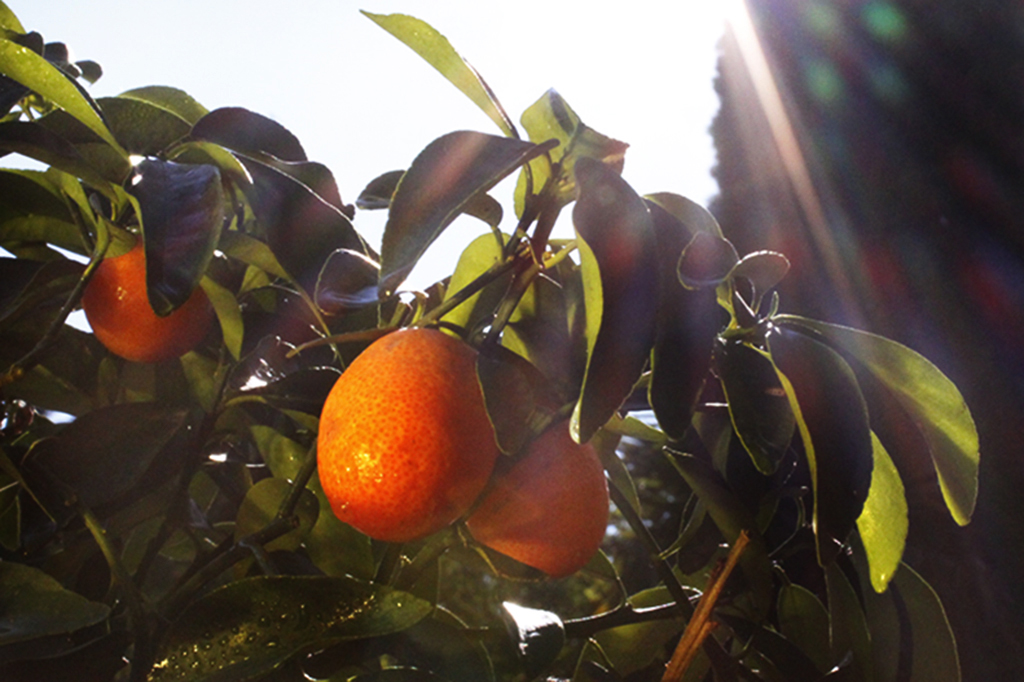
pixel 618 259
pixel 260 507
pixel 142 128
pixel 934 657
pixel 538 636
pixel 758 407
pixel 929 397
pixel 252 626
pixel 804 621
pixel 252 252
pixel 35 73
pixel 250 133
pixel 883 524
pixel 833 422
pixel 33 604
pixel 182 213
pixel 445 176
pixel 706 261
pixel 848 628
pixel 103 454
pixel 169 99
pixel 435 49
pixel 686 326
pixel 348 281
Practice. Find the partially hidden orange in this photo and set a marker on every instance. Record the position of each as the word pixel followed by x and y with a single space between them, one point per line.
pixel 118 309
pixel 550 509
pixel 405 445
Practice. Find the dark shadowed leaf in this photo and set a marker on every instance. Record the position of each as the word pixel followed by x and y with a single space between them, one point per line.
pixel 803 620
pixel 848 628
pixel 182 213
pixel 763 269
pixel 33 604
pixel 518 397
pixel 758 406
pixel 378 193
pixel 104 453
pixel 706 261
pixel 250 133
pixel 833 422
pixel 883 523
pixel 318 178
pixel 687 323
pixel 929 397
pixel 935 657
pixel 618 259
pixel 347 281
pixel 141 127
pixel 41 144
pixel 170 99
pixel 439 184
pixel 252 626
pixel 692 215
pixel 537 635
pixel 32 210
pixel 260 507
pixel 112 164
pixel 633 647
pixel 435 49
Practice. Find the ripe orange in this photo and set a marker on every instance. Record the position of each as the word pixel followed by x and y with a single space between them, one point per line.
pixel 405 444
pixel 550 509
pixel 118 310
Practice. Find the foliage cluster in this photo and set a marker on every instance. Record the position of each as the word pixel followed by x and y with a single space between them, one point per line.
pixel 177 523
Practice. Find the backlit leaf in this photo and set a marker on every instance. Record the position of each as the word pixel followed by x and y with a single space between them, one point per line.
pixel 141 127
pixel 42 144
pixel 618 259
pixel 250 133
pixel 229 315
pixel 478 257
pixel 435 49
pixel 169 99
pixel 883 523
pixel 935 657
pixel 929 397
pixel 347 281
pixel 848 628
pixel 706 261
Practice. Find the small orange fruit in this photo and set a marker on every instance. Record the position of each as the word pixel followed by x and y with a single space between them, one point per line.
pixel 117 307
pixel 405 445
pixel 550 509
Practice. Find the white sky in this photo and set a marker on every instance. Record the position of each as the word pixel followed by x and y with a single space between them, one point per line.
pixel 362 103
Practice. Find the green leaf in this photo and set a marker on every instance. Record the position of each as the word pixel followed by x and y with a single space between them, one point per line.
pixel 804 621
pixel 686 326
pixel 483 253
pixel 103 454
pixel 182 212
pixel 252 251
pixel 8 20
pixel 833 422
pixel 41 144
pixel 883 523
pixel 435 49
pixel 229 315
pixel 848 629
pixel 32 209
pixel 618 259
pixel 169 99
pixel 32 604
pixel 446 175
pixel 935 657
pixel 630 648
pixel 249 133
pixel 517 397
pixel 929 397
pixel 251 626
pixel 760 412
pixel 142 128
pixel 35 73
pixel 259 508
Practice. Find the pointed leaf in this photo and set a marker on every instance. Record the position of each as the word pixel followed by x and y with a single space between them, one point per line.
pixel 935 657
pixel 758 407
pixel 33 604
pixel 833 423
pixel 445 176
pixel 618 255
pixel 848 629
pixel 250 133
pixel 170 99
pixel 883 523
pixel 251 626
pixel 435 49
pixel 763 269
pixel 378 193
pixel 35 73
pixel 483 253
pixel 930 398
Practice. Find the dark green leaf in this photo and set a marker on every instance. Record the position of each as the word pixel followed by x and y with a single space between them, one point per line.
pixel 260 507
pixel 538 636
pixel 104 453
pixel 833 423
pixel 252 626
pixel 618 255
pixel 41 144
pixel 439 184
pixel 91 71
pixel 441 645
pixel 517 396
pixel 848 631
pixel 250 133
pixel 883 524
pixel 32 604
pixel 630 648
pixel 32 210
pixel 347 281
pixel 763 269
pixel 182 213
pixel 687 323
pixel 706 261
pixel 435 49
pixel 883 619
pixel 803 620
pixel 760 412
pixel 929 397
pixel 142 128
pixel 169 99
pixel 935 657
pixel 694 217
pixel 112 164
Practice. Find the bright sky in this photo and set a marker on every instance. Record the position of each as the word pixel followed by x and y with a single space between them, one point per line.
pixel 362 103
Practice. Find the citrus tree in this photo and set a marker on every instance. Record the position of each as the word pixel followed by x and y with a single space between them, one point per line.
pixel 602 458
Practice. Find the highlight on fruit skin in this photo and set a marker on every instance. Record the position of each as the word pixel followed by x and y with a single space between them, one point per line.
pixel 118 310
pixel 405 446
pixel 549 510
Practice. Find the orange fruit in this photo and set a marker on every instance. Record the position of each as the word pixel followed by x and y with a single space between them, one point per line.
pixel 550 509
pixel 117 307
pixel 405 445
